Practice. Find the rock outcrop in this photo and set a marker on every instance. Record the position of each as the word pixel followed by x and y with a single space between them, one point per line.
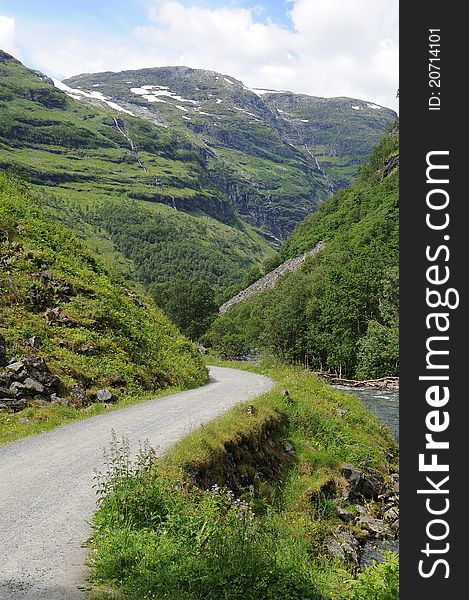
pixel 374 517
pixel 27 380
pixel 249 460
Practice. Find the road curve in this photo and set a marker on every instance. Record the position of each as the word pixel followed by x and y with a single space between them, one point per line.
pixel 46 494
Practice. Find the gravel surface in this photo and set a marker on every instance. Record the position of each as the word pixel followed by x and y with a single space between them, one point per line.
pixel 46 494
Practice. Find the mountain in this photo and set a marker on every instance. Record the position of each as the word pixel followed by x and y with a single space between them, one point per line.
pixel 340 310
pixel 72 327
pixel 138 193
pixel 176 172
pixel 276 156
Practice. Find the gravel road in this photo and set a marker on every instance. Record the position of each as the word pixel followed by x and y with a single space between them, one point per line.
pixel 46 494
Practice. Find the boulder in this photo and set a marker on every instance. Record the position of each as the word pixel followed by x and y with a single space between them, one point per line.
pixel 377 527
pixel 105 396
pixel 56 316
pixel 344 546
pixel 373 551
pixel 327 489
pixel 6 393
pixel 349 545
pixel 15 368
pixel 36 368
pixel 362 485
pixel 18 389
pixel 335 549
pixel 33 386
pixel 25 380
pixel 35 342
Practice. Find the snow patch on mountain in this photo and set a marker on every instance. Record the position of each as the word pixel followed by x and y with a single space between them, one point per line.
pixel 262 91
pixel 156 90
pixel 77 94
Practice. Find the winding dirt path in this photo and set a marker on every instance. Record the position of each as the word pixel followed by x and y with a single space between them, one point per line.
pixel 46 494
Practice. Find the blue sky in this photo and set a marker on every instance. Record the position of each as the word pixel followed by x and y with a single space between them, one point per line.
pixel 319 47
pixel 118 15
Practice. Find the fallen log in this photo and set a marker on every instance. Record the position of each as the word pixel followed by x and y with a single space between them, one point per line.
pixel 391 383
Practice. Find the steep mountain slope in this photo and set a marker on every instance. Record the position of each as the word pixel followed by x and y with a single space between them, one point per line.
pixel 60 305
pixel 276 156
pixel 137 192
pixel 339 133
pixel 175 172
pixel 340 311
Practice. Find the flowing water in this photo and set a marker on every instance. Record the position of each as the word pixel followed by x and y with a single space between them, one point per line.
pixel 383 403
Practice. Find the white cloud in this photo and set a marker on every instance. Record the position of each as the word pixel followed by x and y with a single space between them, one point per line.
pixel 334 47
pixel 7 36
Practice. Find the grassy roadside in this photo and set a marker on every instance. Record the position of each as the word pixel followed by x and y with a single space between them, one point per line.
pixel 35 420
pixel 161 535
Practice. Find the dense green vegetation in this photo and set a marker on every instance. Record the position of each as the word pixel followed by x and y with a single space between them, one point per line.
pixel 340 311
pixel 189 303
pixel 155 212
pixel 103 333
pixel 168 245
pixel 160 535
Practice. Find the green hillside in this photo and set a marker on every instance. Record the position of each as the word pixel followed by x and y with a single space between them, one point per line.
pixel 135 191
pixel 59 304
pixel 340 311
